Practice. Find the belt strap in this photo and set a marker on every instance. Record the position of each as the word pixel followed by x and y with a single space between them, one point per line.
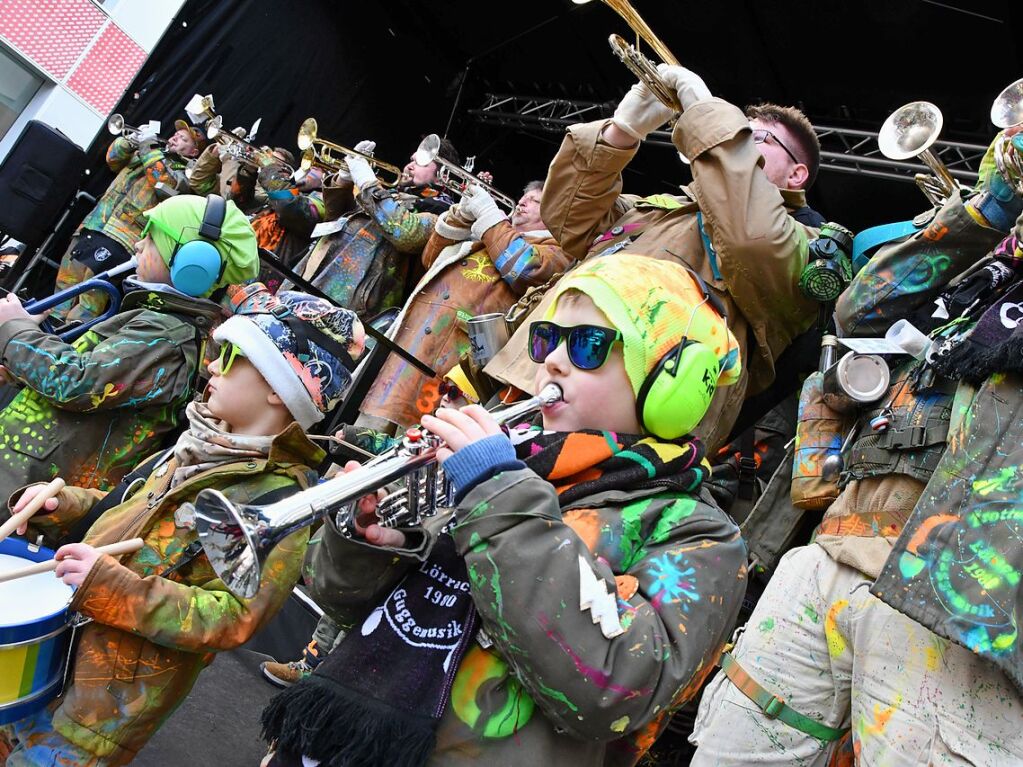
pixel 775 707
pixel 871 238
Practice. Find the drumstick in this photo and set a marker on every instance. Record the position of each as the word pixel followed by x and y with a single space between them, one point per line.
pixel 113 549
pixel 23 516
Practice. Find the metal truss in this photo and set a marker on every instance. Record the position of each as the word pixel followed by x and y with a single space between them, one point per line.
pixel 843 150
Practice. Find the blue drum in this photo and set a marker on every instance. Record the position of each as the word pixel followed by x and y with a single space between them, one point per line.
pixel 34 633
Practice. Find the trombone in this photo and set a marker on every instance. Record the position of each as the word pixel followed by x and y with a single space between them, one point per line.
pixel 102 282
pixel 118 127
pixel 636 62
pixel 320 152
pixel 455 177
pixel 909 132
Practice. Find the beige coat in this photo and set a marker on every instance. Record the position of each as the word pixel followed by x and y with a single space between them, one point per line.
pixel 759 249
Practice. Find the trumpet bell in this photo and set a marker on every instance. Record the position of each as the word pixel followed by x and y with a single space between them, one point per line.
pixel 115 124
pixel 214 127
pixel 229 535
pixel 910 130
pixel 1007 109
pixel 428 150
pixel 307 133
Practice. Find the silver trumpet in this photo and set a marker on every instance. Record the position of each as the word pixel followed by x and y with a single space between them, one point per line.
pixel 909 132
pixel 1007 112
pixel 237 538
pixel 455 177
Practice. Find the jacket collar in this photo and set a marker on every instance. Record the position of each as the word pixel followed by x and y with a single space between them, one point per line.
pixel 293 446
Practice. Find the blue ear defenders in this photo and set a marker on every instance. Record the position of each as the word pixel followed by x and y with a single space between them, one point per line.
pixel 197 266
pixel 676 394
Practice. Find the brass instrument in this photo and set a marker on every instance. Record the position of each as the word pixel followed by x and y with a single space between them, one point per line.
pixel 99 282
pixel 238 148
pixel 909 132
pixel 1007 112
pixel 118 127
pixel 320 152
pixel 455 177
pixel 636 62
pixel 237 538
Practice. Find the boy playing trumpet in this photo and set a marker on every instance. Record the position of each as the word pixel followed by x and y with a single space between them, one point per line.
pixel 601 578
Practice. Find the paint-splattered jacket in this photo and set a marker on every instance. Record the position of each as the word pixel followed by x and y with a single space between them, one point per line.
pixel 552 690
pixel 902 280
pixel 152 635
pixel 463 279
pixel 89 410
pixel 118 214
pixel 731 225
pixel 363 265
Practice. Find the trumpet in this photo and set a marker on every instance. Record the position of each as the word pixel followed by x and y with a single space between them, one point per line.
pixel 1007 112
pixel 909 132
pixel 320 152
pixel 642 67
pixel 99 282
pixel 237 538
pixel 455 177
pixel 240 149
pixel 118 127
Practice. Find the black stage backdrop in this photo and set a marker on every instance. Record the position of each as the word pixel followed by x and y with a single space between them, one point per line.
pixel 393 70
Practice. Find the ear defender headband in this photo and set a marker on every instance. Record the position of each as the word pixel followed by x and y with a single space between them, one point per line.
pixel 197 266
pixel 675 395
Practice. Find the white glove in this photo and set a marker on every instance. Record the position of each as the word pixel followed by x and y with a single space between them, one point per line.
pixel 640 112
pixel 448 225
pixel 479 207
pixel 360 172
pixel 690 86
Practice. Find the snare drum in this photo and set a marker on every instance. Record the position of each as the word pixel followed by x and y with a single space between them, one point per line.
pixel 34 636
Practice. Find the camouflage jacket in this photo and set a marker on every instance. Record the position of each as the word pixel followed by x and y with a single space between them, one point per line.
pixel 118 214
pixel 551 689
pixel 902 280
pixel 363 265
pixel 89 410
pixel 151 635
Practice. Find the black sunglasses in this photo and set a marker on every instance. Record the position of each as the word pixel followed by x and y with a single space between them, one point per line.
pixel 588 345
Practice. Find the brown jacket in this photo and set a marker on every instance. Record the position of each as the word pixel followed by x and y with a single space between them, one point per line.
pixel 463 279
pixel 756 249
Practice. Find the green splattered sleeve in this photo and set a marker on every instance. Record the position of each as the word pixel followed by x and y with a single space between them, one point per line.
pixel 688 562
pixel 139 359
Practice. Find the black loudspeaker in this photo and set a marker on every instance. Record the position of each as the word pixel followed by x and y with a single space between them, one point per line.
pixel 37 179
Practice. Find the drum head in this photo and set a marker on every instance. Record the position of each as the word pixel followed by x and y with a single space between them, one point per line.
pixel 35 598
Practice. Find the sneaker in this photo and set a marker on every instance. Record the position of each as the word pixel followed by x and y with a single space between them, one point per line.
pixel 285 674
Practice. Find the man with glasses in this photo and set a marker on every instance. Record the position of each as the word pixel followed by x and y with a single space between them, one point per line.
pixel 742 224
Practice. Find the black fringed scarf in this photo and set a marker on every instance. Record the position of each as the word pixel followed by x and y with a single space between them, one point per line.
pixel 377 699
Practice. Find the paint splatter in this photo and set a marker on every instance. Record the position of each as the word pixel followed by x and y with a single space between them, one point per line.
pixel 836 642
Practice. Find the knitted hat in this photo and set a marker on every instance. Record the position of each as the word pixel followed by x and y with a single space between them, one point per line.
pixel 176 221
pixel 298 343
pixel 653 303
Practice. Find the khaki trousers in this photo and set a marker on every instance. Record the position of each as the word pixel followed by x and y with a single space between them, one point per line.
pixel 835 653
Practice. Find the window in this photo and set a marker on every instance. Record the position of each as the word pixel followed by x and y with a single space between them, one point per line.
pixel 18 84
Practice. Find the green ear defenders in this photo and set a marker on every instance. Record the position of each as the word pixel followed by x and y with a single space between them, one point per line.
pixel 197 266
pixel 676 394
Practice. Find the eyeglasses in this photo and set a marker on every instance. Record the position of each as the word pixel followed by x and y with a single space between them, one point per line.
pixel 760 135
pixel 228 353
pixel 588 345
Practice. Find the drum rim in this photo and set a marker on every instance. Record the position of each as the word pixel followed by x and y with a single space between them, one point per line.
pixel 29 631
